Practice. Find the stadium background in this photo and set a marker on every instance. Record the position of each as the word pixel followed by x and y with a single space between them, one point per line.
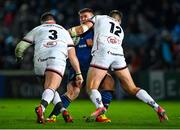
pixel 151 44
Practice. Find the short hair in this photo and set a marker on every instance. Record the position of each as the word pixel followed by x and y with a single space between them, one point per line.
pixel 47 16
pixel 116 12
pixel 86 10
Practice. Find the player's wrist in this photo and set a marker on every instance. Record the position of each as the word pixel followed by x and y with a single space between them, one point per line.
pixel 19 59
pixel 78 73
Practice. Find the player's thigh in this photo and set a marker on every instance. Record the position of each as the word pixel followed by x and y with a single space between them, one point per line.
pixel 52 79
pixel 94 77
pixel 126 80
pixel 54 72
pixel 107 83
pixel 99 65
pixel 120 68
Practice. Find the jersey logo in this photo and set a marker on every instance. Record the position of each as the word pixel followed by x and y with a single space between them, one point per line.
pixel 115 54
pixel 50 44
pixel 113 40
pixel 82 46
pixel 42 60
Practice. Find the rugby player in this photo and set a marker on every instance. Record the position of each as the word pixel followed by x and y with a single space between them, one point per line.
pixel 52 45
pixel 108 53
pixel 83 51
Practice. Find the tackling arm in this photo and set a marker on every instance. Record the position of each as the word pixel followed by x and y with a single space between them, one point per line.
pixel 78 30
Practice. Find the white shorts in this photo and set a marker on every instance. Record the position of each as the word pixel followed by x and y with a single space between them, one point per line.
pixel 106 59
pixel 55 63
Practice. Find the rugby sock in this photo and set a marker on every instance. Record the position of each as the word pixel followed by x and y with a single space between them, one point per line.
pixel 106 97
pixel 96 98
pixel 56 98
pixel 65 100
pixel 58 105
pixel 44 104
pixel 47 97
pixel 145 97
pixel 58 108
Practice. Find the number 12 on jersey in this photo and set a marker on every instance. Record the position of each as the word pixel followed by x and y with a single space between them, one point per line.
pixel 115 29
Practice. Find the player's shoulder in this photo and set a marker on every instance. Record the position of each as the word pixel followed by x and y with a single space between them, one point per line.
pixel 60 26
pixel 36 28
pixel 97 17
pixel 101 16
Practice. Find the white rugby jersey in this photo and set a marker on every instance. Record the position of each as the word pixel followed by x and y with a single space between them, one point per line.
pixel 108 34
pixel 49 38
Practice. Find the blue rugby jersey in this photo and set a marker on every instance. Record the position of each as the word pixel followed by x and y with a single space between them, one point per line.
pixel 83 51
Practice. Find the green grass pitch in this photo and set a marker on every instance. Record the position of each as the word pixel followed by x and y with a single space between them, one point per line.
pixel 125 114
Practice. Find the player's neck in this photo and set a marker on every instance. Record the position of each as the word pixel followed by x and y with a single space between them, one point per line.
pixel 50 22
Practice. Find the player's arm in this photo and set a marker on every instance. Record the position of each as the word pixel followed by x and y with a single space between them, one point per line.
pixel 26 42
pixel 20 48
pixel 89 42
pixel 73 60
pixel 78 30
pixel 75 64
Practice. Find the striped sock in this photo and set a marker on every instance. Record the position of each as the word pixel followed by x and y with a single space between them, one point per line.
pixel 65 100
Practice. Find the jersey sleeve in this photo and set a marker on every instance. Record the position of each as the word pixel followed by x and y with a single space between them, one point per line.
pixel 29 37
pixel 69 41
pixel 94 18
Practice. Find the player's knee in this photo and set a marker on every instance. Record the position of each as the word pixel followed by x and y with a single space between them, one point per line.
pixel 72 91
pixel 76 92
pixel 88 90
pixel 73 94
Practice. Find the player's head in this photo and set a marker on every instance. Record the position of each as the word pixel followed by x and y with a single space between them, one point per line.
pixel 47 16
pixel 85 14
pixel 116 14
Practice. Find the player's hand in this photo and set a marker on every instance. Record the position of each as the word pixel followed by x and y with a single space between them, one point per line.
pixel 19 59
pixel 76 40
pixel 79 79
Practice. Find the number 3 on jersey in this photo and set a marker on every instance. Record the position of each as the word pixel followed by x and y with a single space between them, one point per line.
pixel 53 34
pixel 115 31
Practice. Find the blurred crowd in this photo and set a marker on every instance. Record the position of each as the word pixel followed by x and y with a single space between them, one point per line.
pixel 152 28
